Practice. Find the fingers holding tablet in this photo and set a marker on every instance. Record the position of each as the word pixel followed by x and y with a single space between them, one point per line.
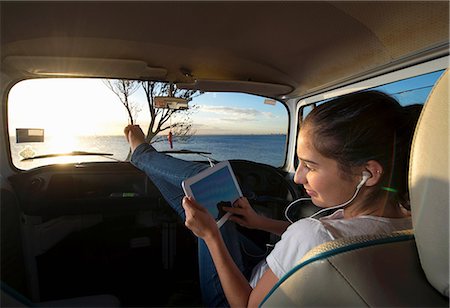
pixel 214 188
pixel 198 219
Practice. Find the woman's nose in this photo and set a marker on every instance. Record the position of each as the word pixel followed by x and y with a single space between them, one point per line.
pixel 300 175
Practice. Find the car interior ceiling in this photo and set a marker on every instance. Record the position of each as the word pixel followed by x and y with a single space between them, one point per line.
pixel 305 57
pixel 104 228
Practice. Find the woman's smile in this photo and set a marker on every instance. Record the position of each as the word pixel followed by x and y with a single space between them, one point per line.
pixel 311 193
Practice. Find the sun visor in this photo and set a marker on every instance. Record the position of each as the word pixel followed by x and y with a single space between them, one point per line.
pixel 252 87
pixel 83 67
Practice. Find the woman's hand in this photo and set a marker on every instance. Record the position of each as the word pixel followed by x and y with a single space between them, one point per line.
pixel 199 220
pixel 244 214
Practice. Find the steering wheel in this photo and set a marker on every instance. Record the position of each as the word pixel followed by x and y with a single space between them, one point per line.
pixel 265 186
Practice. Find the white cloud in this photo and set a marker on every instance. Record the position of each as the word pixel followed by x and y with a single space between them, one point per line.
pixel 236 113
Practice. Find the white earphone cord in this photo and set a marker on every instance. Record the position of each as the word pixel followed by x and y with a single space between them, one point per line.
pixel 328 208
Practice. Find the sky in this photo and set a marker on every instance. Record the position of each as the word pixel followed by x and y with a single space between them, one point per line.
pixel 414 90
pixel 76 107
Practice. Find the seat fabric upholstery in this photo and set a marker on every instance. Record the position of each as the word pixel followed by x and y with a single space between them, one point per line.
pixel 359 272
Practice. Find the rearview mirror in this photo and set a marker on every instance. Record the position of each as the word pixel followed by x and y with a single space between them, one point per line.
pixel 169 102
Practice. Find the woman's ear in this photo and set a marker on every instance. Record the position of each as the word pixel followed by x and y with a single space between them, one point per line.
pixel 376 172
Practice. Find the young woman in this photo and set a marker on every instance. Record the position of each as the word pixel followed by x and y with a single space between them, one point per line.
pixel 352 152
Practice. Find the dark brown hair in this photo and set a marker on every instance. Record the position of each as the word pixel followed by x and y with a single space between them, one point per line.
pixel 363 126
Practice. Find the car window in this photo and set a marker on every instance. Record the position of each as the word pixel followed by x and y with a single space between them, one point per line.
pixel 413 90
pixel 410 91
pixel 57 117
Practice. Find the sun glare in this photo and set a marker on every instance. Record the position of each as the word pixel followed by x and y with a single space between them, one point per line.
pixel 69 107
pixel 62 143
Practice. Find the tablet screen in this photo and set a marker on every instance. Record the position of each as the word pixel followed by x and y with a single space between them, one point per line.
pixel 216 190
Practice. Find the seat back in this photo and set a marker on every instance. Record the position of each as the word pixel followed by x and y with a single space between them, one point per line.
pixel 429 186
pixel 391 270
pixel 358 272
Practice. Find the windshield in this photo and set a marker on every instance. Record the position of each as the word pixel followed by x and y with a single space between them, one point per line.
pixel 82 120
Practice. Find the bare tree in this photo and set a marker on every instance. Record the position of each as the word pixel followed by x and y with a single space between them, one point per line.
pixel 162 120
pixel 124 88
pixel 179 122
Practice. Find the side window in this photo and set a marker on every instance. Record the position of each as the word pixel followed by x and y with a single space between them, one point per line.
pixel 411 92
pixel 64 120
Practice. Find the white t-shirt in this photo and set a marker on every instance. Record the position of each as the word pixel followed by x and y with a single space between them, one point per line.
pixel 307 233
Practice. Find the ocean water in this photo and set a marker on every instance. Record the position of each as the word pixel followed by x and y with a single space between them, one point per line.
pixel 269 149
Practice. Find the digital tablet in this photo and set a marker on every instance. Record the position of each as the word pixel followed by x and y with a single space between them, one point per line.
pixel 213 188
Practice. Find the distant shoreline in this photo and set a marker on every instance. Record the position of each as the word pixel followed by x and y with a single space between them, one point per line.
pixel 196 135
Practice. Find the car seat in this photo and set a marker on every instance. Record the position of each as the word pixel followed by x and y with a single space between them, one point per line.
pixel 13 279
pixel 409 268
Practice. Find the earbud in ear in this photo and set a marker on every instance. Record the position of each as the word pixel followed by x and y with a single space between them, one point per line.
pixel 365 176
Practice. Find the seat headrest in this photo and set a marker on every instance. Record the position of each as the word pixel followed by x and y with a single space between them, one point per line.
pixel 429 186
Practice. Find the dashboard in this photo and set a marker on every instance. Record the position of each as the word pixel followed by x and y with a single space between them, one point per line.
pixel 119 186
